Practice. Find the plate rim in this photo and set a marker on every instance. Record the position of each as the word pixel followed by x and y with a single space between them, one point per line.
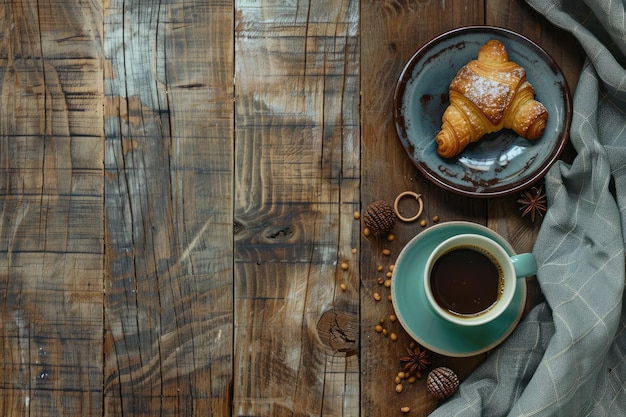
pixel 401 132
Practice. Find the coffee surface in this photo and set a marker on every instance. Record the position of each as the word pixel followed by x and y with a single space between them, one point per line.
pixel 465 282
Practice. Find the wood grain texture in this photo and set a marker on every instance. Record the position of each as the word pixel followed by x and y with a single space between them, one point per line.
pixel 168 208
pixel 50 210
pixel 297 183
pixel 392 31
pixel 178 183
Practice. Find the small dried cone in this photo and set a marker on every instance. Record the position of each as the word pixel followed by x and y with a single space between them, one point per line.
pixel 379 217
pixel 442 382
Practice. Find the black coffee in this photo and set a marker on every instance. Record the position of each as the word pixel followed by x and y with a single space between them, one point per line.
pixel 465 282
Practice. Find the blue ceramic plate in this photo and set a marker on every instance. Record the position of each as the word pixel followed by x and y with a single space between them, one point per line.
pixel 502 162
pixel 422 323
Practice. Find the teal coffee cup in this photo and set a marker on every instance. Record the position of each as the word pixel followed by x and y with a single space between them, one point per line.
pixel 470 279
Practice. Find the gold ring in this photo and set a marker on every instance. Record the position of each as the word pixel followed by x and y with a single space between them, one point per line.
pixel 418 197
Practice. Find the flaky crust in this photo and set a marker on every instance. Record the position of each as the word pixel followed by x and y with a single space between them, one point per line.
pixel 487 95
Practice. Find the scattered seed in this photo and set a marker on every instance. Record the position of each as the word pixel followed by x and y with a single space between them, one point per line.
pixel 405 409
pixel 366 231
pixel 377 296
pixel 357 215
pixel 391 267
pixel 423 223
pixel 435 219
pixel 390 237
pixel 399 388
pixel 343 286
pixel 385 332
pixel 393 318
pixel 353 250
pixel 378 328
pixel 387 283
pixel 380 280
pixel 389 274
pixel 389 297
pixel 397 380
pixel 393 336
pixel 344 266
pixel 381 320
pixel 412 379
pixel 401 374
pixel 386 252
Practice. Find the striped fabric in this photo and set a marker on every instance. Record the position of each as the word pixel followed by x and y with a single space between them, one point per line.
pixel 568 356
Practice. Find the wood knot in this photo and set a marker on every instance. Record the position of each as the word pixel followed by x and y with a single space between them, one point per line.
pixel 238 227
pixel 279 233
pixel 339 331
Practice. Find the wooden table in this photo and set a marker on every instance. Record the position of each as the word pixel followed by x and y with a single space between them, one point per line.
pixel 178 182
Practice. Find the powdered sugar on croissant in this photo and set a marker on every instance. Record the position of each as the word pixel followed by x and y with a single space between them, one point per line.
pixel 487 95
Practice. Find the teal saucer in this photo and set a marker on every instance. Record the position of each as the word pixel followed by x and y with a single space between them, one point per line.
pixel 422 323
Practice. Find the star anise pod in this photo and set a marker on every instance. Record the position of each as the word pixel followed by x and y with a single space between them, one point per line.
pixel 418 360
pixel 533 202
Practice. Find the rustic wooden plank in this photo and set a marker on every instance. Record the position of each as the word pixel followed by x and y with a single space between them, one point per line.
pixel 51 208
pixel 392 32
pixel 297 182
pixel 168 208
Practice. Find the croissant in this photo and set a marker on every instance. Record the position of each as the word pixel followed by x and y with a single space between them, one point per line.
pixel 487 95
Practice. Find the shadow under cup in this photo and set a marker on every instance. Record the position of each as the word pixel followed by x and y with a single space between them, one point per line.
pixel 470 279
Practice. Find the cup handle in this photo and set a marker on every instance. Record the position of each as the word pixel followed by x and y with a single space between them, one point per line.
pixel 525 264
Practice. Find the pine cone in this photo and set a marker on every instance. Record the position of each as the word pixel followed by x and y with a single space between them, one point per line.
pixel 379 217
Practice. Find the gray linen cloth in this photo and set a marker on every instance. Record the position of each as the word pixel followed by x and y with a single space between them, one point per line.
pixel 568 356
